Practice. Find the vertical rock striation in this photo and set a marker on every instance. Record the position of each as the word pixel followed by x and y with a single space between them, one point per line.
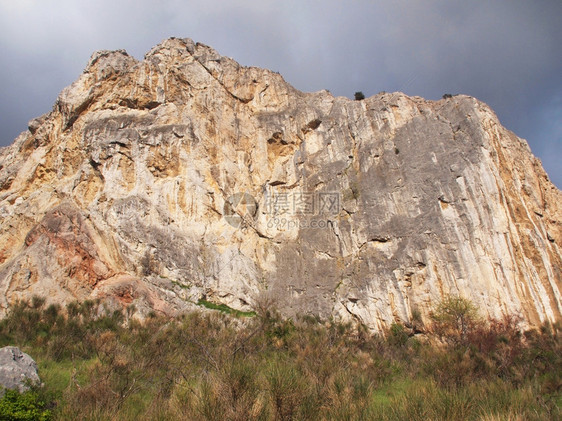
pixel 364 210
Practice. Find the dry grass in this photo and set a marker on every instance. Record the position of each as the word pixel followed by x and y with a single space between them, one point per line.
pixel 217 367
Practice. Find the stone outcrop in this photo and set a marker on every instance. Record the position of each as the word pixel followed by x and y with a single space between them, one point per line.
pixel 132 190
pixel 17 370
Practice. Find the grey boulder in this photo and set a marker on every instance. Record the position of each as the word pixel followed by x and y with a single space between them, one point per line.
pixel 17 369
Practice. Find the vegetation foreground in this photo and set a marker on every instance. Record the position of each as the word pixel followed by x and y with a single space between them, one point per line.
pixel 217 366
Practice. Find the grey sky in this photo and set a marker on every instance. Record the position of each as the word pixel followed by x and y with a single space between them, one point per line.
pixel 506 53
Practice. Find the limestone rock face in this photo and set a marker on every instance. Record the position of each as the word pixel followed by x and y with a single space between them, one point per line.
pixel 132 190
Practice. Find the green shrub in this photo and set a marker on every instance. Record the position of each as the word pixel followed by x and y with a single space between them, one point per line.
pixel 454 319
pixel 359 96
pixel 27 406
pixel 397 335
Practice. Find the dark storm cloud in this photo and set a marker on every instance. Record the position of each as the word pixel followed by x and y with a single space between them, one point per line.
pixel 506 53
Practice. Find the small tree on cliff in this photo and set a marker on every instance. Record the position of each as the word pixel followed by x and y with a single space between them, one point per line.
pixel 454 318
pixel 359 96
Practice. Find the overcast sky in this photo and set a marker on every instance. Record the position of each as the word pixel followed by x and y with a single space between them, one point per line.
pixel 506 53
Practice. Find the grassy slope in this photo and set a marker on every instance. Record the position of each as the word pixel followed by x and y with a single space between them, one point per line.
pixel 220 367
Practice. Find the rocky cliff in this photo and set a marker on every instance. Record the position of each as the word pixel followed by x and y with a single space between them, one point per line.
pixel 187 176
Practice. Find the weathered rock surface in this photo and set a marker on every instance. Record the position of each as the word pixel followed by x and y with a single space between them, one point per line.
pixel 17 370
pixel 366 210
